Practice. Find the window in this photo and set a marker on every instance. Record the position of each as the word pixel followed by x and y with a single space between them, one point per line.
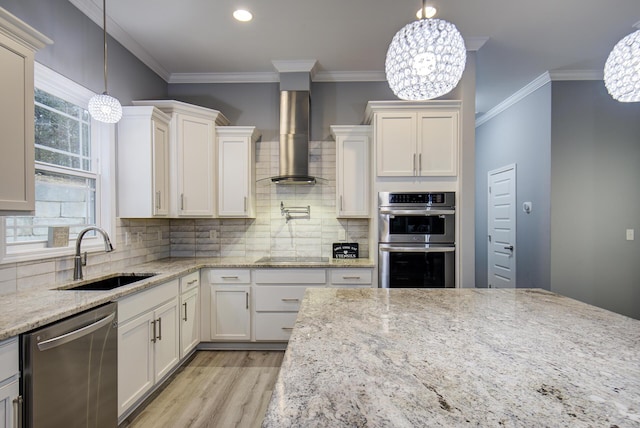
pixel 70 188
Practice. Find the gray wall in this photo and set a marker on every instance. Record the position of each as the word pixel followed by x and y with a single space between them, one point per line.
pixel 595 173
pixel 77 51
pixel 258 104
pixel 520 135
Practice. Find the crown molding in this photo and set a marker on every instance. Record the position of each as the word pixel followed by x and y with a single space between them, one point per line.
pixel 21 32
pixel 94 12
pixel 475 43
pixel 259 77
pixel 560 75
pixel 350 76
pixel 534 85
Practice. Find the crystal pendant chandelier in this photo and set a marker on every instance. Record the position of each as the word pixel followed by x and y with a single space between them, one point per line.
pixel 622 69
pixel 104 107
pixel 425 59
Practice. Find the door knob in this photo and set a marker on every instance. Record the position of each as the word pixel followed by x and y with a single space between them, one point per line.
pixel 510 248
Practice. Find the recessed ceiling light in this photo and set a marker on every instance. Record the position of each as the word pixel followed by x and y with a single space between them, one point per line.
pixel 242 15
pixel 429 12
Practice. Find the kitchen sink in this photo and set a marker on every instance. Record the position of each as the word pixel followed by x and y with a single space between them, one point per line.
pixel 111 282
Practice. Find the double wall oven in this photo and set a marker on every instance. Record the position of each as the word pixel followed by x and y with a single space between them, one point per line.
pixel 416 239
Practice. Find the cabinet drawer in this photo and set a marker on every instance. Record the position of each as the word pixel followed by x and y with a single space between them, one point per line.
pixel 290 276
pixel 351 276
pixel 230 276
pixel 146 300
pixel 189 281
pixel 275 326
pixel 8 358
pixel 278 298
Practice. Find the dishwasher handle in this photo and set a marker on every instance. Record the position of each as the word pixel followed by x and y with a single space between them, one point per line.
pixel 75 334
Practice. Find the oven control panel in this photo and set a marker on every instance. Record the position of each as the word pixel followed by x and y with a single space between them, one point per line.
pixel 422 198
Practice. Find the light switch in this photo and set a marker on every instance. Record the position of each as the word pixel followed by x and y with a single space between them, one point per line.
pixel 630 234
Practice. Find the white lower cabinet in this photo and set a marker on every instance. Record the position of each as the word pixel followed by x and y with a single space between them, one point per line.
pixel 148 341
pixel 261 305
pixel 9 385
pixel 230 305
pixel 189 313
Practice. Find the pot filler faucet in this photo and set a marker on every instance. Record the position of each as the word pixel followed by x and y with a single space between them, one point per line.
pixel 78 261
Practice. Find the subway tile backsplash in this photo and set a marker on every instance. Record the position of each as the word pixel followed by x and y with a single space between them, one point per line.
pixel 269 234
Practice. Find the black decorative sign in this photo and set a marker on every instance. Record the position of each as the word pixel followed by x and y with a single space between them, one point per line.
pixel 344 250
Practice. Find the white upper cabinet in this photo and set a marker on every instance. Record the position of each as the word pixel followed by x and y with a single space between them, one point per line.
pixel 415 139
pixel 18 44
pixel 352 170
pixel 143 162
pixel 192 157
pixel 236 171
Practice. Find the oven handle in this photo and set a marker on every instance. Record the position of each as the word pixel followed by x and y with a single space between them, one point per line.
pixel 412 249
pixel 416 212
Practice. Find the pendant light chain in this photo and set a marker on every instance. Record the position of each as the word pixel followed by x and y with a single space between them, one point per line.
pixel 104 38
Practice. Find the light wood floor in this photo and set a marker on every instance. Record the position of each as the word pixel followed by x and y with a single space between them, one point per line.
pixel 220 389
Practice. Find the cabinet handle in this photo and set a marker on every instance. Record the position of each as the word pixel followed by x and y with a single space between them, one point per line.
pixel 245 204
pixel 193 281
pixel 287 328
pixel 181 201
pixel 420 164
pixel 229 277
pixel 414 164
pixel 185 311
pixel 158 200
pixel 247 299
pixel 159 328
pixel 340 202
pixel 17 411
pixel 286 299
pixel 153 337
pixel 350 277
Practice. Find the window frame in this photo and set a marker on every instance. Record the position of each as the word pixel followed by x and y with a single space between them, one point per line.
pixel 103 145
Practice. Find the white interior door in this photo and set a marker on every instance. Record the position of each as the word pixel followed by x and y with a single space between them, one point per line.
pixel 501 228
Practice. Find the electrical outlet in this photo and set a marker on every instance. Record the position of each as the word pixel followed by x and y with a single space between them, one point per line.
pixel 630 234
pixel 213 234
pixel 138 237
pixel 159 235
pixel 127 238
pixel 342 235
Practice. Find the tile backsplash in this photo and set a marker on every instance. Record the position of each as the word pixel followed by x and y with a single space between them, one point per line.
pixel 269 234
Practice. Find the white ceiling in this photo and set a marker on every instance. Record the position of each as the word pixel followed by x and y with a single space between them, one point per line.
pixel 199 41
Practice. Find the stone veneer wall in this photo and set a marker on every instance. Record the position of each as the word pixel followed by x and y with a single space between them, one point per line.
pixel 269 234
pixel 148 241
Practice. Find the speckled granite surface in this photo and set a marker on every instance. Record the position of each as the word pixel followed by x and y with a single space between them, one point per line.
pixel 454 358
pixel 25 311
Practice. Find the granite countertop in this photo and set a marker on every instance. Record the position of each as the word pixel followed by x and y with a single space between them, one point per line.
pixel 456 357
pixel 28 310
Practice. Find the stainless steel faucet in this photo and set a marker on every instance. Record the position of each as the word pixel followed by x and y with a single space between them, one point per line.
pixel 78 261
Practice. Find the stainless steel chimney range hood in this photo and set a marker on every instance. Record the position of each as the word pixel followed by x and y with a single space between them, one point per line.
pixel 294 138
pixel 295 105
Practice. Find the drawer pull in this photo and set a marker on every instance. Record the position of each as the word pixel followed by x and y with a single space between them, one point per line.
pixel 287 328
pixel 193 281
pixel 230 277
pixel 350 277
pixel 290 300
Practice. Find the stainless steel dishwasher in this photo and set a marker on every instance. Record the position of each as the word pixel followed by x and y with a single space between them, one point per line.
pixel 69 372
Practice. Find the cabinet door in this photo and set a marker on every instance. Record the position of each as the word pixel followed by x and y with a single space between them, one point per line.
pixel 438 143
pixel 352 176
pixel 8 393
pixel 135 360
pixel 196 166
pixel 160 168
pixel 17 167
pixel 230 313
pixel 189 321
pixel 234 191
pixel 167 351
pixel 396 143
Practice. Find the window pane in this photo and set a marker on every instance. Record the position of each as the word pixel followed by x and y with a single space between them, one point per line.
pixel 61 200
pixel 61 132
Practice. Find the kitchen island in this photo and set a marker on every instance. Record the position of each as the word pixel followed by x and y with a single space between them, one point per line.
pixel 457 357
